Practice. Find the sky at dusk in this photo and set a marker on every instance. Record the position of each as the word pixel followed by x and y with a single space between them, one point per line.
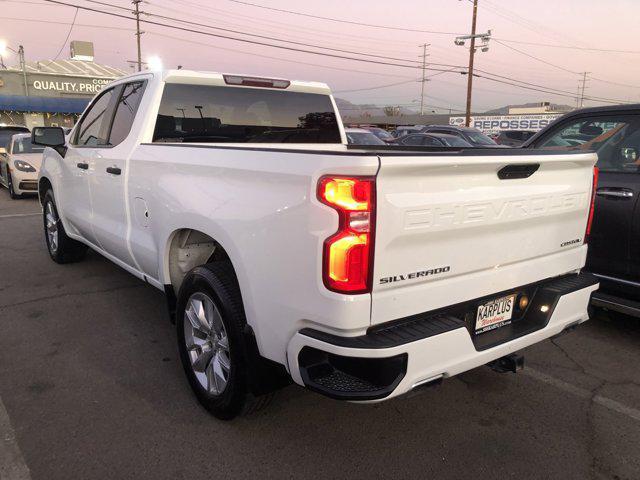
pixel 586 25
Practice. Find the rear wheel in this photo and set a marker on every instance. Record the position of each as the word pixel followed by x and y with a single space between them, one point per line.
pixel 62 249
pixel 210 321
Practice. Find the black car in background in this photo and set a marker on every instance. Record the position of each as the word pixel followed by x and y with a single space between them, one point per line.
pixel 382 134
pixel 433 140
pixel 513 138
pixel 471 135
pixel 614 244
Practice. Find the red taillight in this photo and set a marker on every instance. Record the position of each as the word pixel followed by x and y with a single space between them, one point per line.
pixel 348 254
pixel 591 208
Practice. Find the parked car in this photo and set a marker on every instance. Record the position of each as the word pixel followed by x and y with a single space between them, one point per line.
pixel 513 138
pixel 382 134
pixel 614 244
pixel 359 273
pixel 360 136
pixel 19 166
pixel 432 140
pixel 403 130
pixel 471 135
pixel 7 131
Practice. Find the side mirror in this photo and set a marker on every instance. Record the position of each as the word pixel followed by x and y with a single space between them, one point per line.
pixel 48 136
pixel 3 151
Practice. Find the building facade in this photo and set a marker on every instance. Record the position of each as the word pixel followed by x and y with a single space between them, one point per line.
pixel 51 92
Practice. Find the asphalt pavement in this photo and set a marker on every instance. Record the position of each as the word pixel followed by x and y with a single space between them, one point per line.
pixel 91 387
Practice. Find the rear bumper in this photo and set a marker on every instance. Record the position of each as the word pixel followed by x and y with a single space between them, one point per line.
pixel 392 360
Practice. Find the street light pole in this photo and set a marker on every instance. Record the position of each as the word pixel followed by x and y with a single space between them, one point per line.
pixel 472 51
pixel 23 66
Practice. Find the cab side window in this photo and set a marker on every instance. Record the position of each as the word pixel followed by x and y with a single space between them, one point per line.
pixel 93 129
pixel 126 111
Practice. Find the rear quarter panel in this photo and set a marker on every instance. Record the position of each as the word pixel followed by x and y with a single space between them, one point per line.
pixel 261 206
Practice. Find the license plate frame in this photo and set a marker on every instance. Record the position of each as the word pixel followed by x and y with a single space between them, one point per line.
pixel 494 313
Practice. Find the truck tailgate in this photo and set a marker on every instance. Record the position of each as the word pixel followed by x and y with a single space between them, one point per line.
pixel 448 229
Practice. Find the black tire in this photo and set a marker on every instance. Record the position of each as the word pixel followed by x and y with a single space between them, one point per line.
pixel 12 193
pixel 67 249
pixel 217 281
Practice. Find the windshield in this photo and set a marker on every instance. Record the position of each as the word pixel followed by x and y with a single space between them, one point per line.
pixel 478 138
pixel 363 138
pixel 24 145
pixel 7 133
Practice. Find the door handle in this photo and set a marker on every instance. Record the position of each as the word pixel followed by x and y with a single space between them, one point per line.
pixel 83 166
pixel 614 192
pixel 114 170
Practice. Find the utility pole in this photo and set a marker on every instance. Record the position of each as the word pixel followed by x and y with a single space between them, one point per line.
pixel 460 41
pixel 136 12
pixel 424 76
pixel 584 83
pixel 472 51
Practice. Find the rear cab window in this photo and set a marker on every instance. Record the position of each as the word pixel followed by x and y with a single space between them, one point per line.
pixel 218 114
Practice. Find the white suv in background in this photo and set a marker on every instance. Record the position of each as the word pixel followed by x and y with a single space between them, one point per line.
pixel 20 165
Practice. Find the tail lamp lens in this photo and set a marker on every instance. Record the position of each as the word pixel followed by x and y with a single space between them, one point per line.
pixel 347 256
pixel 592 205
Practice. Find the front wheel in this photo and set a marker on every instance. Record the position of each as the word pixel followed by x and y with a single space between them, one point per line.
pixel 12 193
pixel 62 249
pixel 210 321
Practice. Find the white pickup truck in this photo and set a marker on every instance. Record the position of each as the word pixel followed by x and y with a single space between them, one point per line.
pixel 360 273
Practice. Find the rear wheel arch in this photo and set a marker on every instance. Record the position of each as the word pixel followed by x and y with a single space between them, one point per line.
pixel 187 248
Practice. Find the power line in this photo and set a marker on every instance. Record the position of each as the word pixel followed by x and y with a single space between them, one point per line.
pixel 282 47
pixel 564 92
pixel 280 25
pixel 195 42
pixel 520 20
pixel 535 58
pixel 339 20
pixel 613 83
pixel 550 91
pixel 375 88
pixel 266 37
pixel 244 40
pixel 571 47
pixel 73 22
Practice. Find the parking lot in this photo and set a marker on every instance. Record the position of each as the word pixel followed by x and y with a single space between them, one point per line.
pixel 91 386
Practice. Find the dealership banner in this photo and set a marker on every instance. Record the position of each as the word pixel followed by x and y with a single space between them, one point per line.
pixel 497 123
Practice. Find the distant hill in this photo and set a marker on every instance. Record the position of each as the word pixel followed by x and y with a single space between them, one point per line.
pixel 505 110
pixel 347 108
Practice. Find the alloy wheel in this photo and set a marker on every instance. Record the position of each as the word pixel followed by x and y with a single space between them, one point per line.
pixel 52 227
pixel 207 343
